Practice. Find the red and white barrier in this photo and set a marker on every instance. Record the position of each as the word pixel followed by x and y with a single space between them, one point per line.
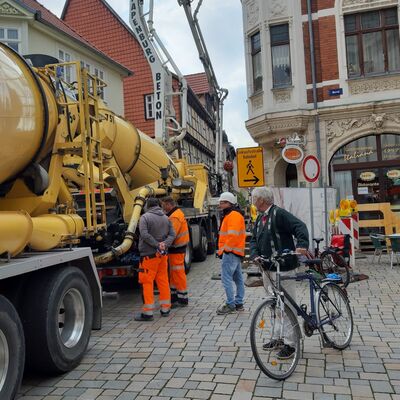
pixel 349 226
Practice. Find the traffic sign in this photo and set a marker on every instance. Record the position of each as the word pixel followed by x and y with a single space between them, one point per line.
pixel 311 168
pixel 250 165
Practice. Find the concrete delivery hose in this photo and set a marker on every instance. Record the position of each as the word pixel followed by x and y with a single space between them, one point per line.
pixel 130 232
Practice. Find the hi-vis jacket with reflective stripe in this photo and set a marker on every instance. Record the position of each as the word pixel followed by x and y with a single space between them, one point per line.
pixel 232 234
pixel 178 220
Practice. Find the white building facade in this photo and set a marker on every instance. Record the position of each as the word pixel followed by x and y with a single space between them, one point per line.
pixel 344 106
pixel 29 28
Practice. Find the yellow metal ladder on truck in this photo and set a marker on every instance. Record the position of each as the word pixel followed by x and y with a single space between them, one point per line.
pixel 89 148
pixel 92 154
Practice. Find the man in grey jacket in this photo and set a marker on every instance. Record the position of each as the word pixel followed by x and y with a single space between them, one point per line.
pixel 156 235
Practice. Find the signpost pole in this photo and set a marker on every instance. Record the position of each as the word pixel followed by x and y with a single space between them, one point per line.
pixel 311 173
pixel 311 213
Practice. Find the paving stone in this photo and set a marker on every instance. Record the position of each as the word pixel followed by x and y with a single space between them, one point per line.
pixel 195 353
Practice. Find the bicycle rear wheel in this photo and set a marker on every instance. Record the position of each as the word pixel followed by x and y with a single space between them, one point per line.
pixel 266 328
pixel 335 318
pixel 332 262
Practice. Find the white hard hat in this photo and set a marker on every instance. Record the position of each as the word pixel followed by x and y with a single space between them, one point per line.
pixel 228 196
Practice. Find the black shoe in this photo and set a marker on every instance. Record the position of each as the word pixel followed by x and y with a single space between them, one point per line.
pixel 143 317
pixel 286 352
pixel 273 344
pixel 164 313
pixel 226 309
pixel 239 307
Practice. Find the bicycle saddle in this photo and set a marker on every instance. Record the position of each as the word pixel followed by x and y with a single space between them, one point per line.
pixel 318 240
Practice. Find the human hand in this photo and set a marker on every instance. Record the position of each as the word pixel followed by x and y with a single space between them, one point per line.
pixel 162 246
pixel 257 260
pixel 301 250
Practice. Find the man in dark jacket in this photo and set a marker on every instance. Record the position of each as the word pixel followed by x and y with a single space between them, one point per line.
pixel 274 230
pixel 156 235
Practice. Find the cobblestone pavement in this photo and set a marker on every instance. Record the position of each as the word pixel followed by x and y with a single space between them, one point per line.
pixel 196 354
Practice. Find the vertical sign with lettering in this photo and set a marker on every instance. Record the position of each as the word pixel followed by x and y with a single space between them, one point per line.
pixel 141 33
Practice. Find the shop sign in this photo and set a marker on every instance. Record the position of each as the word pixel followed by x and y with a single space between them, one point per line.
pixel 390 151
pixel 393 174
pixel 292 154
pixel 354 154
pixel 367 176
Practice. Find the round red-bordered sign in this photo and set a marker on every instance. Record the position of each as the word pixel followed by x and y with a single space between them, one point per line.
pixel 311 168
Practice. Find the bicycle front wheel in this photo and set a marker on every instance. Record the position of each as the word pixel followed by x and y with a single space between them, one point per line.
pixel 333 262
pixel 275 339
pixel 335 318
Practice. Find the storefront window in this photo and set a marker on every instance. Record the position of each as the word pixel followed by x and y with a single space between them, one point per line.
pixel 360 151
pixel 367 185
pixel 343 184
pixel 390 147
pixel 368 169
pixel 391 186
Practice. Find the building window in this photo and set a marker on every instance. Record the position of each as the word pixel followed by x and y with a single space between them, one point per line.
pixel 255 41
pixel 84 64
pixel 372 42
pixel 100 74
pixel 149 106
pixel 11 37
pixel 63 56
pixel 280 51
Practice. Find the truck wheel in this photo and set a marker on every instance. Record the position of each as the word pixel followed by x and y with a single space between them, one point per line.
pixel 12 350
pixel 212 244
pixel 200 254
pixel 58 316
pixel 188 257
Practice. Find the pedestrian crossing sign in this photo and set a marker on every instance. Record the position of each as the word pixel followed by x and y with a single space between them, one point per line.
pixel 250 166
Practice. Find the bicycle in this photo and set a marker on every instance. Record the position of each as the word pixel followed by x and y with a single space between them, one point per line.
pixel 275 325
pixel 331 262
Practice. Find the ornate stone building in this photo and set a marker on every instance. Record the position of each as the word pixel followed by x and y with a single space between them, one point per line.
pixel 338 91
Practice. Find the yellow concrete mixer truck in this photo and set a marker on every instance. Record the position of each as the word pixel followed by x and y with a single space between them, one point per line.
pixel 73 180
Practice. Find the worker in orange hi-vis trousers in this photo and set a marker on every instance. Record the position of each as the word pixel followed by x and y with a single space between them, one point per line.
pixel 156 235
pixel 176 253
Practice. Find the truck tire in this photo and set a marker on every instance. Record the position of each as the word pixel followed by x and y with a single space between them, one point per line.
pixel 12 350
pixel 58 317
pixel 200 254
pixel 212 244
pixel 188 257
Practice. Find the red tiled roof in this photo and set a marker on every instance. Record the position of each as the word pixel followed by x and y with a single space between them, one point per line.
pixel 198 82
pixel 47 17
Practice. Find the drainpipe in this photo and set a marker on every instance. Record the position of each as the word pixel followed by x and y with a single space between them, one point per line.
pixel 321 180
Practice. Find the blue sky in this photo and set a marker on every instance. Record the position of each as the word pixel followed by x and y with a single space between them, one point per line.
pixel 222 28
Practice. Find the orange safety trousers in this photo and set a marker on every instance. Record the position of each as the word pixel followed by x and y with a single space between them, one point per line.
pixel 155 269
pixel 177 278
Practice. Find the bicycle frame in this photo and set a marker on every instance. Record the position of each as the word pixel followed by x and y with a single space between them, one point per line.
pixel 311 318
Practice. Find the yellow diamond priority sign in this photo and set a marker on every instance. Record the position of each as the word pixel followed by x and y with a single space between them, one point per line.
pixel 250 165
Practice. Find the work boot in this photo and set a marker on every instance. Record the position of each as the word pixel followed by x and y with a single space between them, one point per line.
pixel 226 309
pixel 178 305
pixel 143 317
pixel 164 313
